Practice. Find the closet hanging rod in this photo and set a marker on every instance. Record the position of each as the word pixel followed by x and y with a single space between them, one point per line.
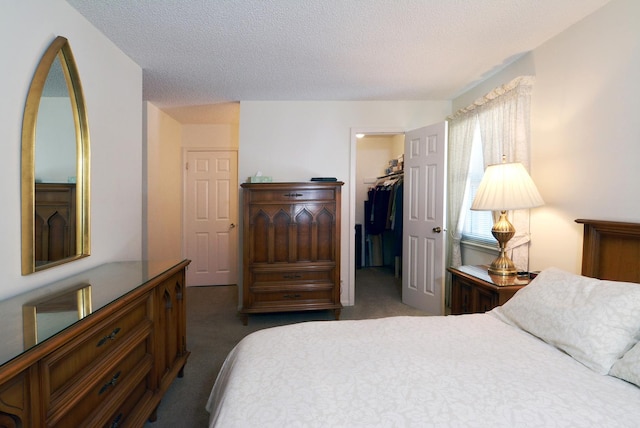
pixel 393 174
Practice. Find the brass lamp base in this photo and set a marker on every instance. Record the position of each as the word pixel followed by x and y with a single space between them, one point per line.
pixel 502 266
pixel 503 231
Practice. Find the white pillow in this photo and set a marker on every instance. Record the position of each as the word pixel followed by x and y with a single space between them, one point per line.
pixel 628 368
pixel 592 320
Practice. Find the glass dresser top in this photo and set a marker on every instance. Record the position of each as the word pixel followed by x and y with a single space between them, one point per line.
pixel 32 317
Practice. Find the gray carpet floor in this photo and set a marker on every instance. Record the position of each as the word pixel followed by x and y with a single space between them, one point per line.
pixel 214 328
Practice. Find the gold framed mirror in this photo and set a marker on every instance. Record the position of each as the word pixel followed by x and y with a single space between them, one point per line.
pixel 55 164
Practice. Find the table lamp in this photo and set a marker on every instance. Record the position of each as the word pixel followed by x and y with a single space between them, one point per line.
pixel 505 186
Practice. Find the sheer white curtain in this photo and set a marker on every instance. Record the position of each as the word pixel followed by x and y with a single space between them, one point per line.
pixel 504 116
pixel 461 128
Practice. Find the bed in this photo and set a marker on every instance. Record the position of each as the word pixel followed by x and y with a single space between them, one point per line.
pixel 562 352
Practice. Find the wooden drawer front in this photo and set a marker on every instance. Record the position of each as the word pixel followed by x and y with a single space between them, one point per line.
pixel 265 278
pixel 291 195
pixel 466 297
pixel 68 361
pixel 295 287
pixel 484 300
pixel 127 412
pixel 14 401
pixel 292 298
pixel 106 392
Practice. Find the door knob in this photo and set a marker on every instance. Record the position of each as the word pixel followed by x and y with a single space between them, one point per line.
pixel 437 229
pixel 232 226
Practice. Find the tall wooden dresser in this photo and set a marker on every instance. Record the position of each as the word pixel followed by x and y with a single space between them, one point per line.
pixel 291 247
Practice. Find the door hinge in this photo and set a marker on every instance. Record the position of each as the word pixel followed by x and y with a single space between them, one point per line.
pixel 186 166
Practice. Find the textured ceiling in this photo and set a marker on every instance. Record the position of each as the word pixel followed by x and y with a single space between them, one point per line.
pixel 199 52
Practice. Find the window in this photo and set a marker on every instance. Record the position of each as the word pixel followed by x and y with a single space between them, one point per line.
pixel 477 224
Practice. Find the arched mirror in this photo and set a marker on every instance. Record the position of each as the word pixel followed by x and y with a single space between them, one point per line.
pixel 55 164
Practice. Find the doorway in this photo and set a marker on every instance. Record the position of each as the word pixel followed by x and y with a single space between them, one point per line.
pixel 422 245
pixel 211 216
pixel 372 155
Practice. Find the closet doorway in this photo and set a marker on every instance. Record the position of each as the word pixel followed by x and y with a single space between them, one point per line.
pixel 422 251
pixel 378 177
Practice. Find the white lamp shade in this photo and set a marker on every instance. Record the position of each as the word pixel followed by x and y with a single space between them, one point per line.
pixel 506 186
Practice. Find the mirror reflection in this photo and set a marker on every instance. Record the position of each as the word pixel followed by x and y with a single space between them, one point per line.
pixel 55 172
pixel 55 164
pixel 46 317
pixel 55 131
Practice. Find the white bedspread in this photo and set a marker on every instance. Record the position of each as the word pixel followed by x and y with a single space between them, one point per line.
pixel 455 371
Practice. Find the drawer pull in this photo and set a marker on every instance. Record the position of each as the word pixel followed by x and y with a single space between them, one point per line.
pixel 292 276
pixel 116 421
pixel 111 336
pixel 293 195
pixel 109 384
pixel 292 296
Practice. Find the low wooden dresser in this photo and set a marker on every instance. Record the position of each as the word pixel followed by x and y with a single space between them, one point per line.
pixel 96 349
pixel 473 289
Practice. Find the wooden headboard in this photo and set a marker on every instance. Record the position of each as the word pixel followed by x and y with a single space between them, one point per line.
pixel 611 250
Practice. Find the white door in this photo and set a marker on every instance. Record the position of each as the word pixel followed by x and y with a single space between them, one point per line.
pixel 211 216
pixel 423 247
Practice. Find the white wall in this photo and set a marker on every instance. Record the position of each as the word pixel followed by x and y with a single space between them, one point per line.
pixel 294 141
pixel 584 129
pixel 218 136
pixel 162 206
pixel 167 140
pixel 112 85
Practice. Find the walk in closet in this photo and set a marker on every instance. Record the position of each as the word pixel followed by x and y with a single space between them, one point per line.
pixel 379 202
pixel 383 221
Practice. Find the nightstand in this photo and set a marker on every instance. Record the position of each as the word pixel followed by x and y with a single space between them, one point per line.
pixel 473 289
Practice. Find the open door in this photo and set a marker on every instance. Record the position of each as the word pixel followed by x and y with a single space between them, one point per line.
pixel 423 246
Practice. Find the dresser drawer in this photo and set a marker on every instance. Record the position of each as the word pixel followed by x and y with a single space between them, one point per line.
pixel 292 195
pixel 268 277
pixel 65 363
pixel 293 297
pixel 108 390
pixel 126 414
